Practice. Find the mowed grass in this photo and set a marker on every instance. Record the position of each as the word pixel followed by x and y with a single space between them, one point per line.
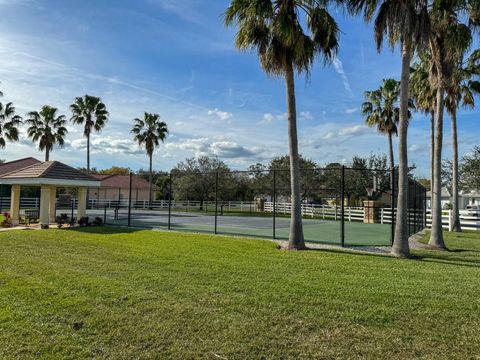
pixel 121 294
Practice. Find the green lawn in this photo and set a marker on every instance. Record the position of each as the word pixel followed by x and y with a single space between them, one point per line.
pixel 146 294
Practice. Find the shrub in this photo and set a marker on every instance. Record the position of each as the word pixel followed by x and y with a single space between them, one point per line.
pixel 98 221
pixel 7 220
pixel 83 221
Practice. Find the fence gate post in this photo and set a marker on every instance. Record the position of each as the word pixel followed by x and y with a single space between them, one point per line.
pixel 130 201
pixel 170 202
pixel 216 201
pixel 342 200
pixel 450 222
pixel 392 209
pixel 274 203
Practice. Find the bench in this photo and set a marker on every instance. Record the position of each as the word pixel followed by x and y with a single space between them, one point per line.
pixel 32 214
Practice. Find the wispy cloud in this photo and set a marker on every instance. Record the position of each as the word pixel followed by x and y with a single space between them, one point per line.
pixel 222 115
pixel 338 65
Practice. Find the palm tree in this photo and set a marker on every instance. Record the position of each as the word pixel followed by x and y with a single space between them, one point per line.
pixel 449 41
pixel 148 132
pixel 9 123
pixel 92 113
pixel 47 128
pixel 381 111
pixel 425 98
pixel 462 91
pixel 287 35
pixel 407 22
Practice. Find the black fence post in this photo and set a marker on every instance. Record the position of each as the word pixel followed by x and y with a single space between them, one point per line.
pixel 130 200
pixel 105 212
pixel 392 208
pixel 274 203
pixel 72 204
pixel 1 199
pixel 216 200
pixel 342 214
pixel 170 202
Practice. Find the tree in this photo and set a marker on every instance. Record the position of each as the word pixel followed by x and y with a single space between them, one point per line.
pixel 149 132
pixel 449 40
pixel 276 30
pixel 47 128
pixel 381 111
pixel 461 91
pixel 195 179
pixel 407 22
pixel 470 170
pixel 92 113
pixel 425 99
pixel 9 123
pixel 114 170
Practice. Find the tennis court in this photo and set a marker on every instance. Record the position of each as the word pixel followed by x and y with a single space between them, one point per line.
pixel 315 230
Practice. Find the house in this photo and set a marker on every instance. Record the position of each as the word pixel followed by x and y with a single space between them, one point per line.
pixel 464 198
pixel 117 187
pixel 471 197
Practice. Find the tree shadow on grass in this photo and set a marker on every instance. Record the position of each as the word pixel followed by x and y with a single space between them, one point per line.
pixel 105 230
pixel 439 257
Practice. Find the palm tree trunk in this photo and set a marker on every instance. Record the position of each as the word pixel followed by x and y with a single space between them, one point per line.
pixel 47 154
pixel 436 236
pixel 150 179
pixel 455 206
pixel 432 150
pixel 400 246
pixel 392 160
pixel 88 154
pixel 296 240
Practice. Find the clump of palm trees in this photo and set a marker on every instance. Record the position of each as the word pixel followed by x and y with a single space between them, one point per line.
pixel 275 30
pixel 440 33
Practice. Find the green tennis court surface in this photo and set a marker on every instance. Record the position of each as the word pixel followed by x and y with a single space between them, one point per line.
pixel 315 230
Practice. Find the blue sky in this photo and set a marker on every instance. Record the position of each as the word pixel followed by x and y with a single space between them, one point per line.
pixel 177 59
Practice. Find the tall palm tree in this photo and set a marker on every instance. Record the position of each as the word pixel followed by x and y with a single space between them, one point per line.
pixel 287 35
pixel 47 128
pixel 462 91
pixel 9 123
pixel 425 97
pixel 149 132
pixel 92 113
pixel 407 22
pixel 381 111
pixel 450 39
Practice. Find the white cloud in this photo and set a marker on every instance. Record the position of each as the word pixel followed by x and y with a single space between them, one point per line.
pixel 224 149
pixel 107 144
pixel 222 115
pixel 353 130
pixel 269 118
pixel 338 65
pixel 306 115
pixel 351 111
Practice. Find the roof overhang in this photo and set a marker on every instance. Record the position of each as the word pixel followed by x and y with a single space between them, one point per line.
pixel 47 181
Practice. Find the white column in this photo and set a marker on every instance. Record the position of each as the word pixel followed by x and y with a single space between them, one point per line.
pixel 53 204
pixel 45 192
pixel 82 203
pixel 15 205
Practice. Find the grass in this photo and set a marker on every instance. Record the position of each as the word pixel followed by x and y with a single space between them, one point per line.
pixel 121 294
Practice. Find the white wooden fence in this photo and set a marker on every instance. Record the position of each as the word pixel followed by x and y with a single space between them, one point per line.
pixel 469 220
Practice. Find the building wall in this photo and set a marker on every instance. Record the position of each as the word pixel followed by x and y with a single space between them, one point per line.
pixel 114 193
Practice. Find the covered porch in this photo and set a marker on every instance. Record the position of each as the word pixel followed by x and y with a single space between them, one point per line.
pixel 48 176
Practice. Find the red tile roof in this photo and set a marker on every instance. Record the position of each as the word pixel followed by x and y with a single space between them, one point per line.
pixel 122 181
pixel 17 165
